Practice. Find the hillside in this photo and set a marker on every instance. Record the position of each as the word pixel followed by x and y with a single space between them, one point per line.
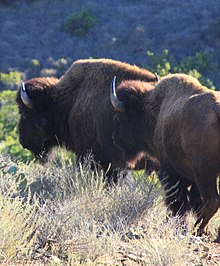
pixel 123 30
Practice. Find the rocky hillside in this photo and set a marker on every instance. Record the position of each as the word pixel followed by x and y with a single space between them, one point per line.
pixel 123 30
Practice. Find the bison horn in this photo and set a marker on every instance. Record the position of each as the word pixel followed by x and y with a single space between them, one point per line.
pixel 116 103
pixel 156 76
pixel 25 98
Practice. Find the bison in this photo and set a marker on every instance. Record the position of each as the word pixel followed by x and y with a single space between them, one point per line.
pixel 176 122
pixel 75 111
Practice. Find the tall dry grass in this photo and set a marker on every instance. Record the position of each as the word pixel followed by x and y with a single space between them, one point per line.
pixel 63 214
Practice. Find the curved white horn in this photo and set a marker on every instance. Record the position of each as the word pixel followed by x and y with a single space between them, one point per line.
pixel 116 103
pixel 25 98
pixel 156 76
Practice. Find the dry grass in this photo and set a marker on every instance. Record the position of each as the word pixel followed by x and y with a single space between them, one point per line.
pixel 61 214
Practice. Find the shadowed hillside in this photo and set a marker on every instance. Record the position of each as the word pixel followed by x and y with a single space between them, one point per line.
pixel 123 30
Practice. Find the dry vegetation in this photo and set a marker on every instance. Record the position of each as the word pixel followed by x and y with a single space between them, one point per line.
pixel 61 214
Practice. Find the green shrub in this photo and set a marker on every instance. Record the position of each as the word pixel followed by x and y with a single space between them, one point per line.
pixel 9 142
pixel 198 66
pixel 11 80
pixel 79 24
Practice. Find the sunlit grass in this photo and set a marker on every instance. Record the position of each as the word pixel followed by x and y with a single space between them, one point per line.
pixel 18 222
pixel 63 214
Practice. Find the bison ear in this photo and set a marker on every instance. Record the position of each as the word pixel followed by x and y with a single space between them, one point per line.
pixel 134 101
pixel 131 99
pixel 130 96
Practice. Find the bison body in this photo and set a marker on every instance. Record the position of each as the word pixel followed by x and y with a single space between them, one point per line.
pixel 177 122
pixel 75 111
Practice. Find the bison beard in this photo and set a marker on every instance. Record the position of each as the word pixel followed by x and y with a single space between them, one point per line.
pixel 177 123
pixel 75 112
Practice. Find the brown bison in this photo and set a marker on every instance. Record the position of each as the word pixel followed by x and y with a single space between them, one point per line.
pixel 75 111
pixel 177 122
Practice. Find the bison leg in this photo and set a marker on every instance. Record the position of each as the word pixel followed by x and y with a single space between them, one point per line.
pixel 210 207
pixel 195 200
pixel 112 176
pixel 207 186
pixel 177 194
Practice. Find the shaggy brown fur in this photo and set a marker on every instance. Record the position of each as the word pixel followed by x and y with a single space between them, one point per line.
pixel 75 111
pixel 177 122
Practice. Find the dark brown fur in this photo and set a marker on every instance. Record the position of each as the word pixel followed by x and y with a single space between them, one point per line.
pixel 75 111
pixel 177 122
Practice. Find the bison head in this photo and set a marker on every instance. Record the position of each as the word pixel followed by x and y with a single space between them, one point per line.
pixel 129 125
pixel 36 108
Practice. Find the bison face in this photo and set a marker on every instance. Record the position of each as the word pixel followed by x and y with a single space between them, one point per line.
pixel 36 124
pixel 128 123
pixel 36 134
pixel 128 135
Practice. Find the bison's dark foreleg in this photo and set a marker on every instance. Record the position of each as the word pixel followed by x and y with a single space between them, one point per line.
pixel 210 207
pixel 112 176
pixel 177 194
pixel 207 186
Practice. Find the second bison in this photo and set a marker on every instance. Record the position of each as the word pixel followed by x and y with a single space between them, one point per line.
pixel 176 122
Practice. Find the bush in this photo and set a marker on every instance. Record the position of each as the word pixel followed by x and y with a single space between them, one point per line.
pixel 79 24
pixel 9 127
pixel 198 66
pixel 11 80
